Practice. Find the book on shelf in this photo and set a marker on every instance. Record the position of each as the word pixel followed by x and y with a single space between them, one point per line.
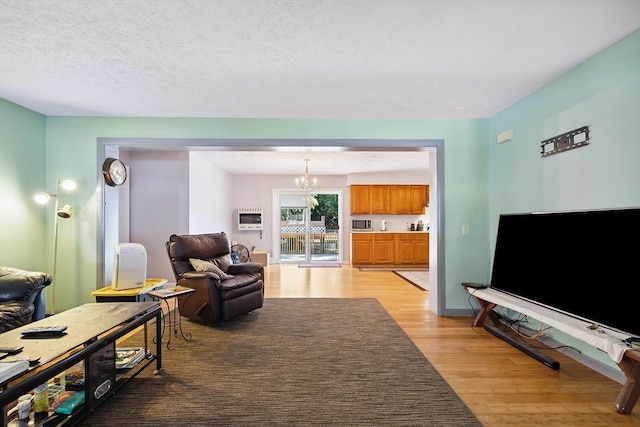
pixel 170 291
pixel 9 370
pixel 128 357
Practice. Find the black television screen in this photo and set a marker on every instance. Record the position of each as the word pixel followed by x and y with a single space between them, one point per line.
pixel 584 263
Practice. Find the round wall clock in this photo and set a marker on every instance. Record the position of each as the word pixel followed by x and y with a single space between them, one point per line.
pixel 114 172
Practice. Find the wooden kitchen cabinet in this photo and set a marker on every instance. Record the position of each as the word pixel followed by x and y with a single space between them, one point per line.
pixel 361 248
pixel 372 248
pixel 389 199
pixel 360 199
pixel 383 248
pixel 381 199
pixel 419 198
pixel 409 199
pixel 390 249
pixel 421 249
pixel 412 249
pixel 404 248
pixel 401 200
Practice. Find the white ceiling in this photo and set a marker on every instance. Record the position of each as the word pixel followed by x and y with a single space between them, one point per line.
pixel 320 59
pixel 324 162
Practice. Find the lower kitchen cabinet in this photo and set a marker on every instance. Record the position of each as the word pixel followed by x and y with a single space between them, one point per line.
pixel 361 248
pixel 390 249
pixel 383 248
pixel 412 249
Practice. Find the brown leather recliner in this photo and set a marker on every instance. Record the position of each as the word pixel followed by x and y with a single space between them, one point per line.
pixel 215 300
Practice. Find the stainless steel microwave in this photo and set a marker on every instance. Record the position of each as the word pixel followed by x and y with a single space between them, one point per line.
pixel 361 225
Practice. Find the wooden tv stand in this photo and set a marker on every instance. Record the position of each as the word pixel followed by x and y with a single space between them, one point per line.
pixel 629 362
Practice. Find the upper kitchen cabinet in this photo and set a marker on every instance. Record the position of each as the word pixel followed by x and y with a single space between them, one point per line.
pixel 389 199
pixel 419 197
pixel 360 199
pixel 381 199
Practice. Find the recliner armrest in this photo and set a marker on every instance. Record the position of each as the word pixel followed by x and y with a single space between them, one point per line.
pixel 200 275
pixel 246 267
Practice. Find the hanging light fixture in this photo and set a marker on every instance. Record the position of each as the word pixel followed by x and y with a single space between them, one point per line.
pixel 304 183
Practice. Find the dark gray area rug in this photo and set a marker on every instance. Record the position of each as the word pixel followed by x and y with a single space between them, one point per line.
pixel 294 362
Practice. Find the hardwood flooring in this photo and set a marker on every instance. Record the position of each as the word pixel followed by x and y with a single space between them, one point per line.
pixel 500 384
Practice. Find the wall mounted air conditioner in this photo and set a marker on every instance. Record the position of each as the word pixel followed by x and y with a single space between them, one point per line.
pixel 250 219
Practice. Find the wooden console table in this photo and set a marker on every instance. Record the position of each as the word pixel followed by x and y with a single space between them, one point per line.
pixel 610 342
pixel 90 338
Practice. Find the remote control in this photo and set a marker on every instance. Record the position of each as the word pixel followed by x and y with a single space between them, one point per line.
pixel 45 330
pixel 33 360
pixel 11 350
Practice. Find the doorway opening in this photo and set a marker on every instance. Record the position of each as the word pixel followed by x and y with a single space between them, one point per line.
pixel 435 170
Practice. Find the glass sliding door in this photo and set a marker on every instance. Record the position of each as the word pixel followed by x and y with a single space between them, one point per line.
pixel 293 226
pixel 323 227
pixel 308 227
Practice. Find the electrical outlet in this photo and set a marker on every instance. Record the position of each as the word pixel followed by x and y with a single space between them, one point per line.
pixel 465 230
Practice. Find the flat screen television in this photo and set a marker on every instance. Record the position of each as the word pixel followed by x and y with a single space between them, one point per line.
pixel 582 263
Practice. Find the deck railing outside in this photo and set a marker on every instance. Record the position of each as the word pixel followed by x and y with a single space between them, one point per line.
pixel 321 243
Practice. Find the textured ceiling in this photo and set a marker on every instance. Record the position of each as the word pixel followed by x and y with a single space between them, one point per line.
pixel 363 59
pixel 396 59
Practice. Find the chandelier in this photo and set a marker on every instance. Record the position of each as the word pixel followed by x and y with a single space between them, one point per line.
pixel 303 183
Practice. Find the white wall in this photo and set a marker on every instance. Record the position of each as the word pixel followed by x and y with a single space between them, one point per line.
pixel 397 177
pixel 161 209
pixel 211 194
pixel 257 191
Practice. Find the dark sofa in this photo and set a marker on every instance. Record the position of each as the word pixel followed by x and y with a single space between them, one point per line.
pixel 21 297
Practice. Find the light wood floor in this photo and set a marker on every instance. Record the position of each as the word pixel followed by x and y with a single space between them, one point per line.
pixel 500 384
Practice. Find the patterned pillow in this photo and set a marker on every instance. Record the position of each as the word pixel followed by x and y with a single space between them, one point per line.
pixel 201 265
pixel 223 262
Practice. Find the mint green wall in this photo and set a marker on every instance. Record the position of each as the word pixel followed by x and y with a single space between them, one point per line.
pixel 75 154
pixel 24 237
pixel 602 93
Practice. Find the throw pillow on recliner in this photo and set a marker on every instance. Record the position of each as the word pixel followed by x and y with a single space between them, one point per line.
pixel 201 265
pixel 223 262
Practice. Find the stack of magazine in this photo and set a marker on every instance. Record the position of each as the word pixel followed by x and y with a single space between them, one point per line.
pixel 11 369
pixel 128 357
